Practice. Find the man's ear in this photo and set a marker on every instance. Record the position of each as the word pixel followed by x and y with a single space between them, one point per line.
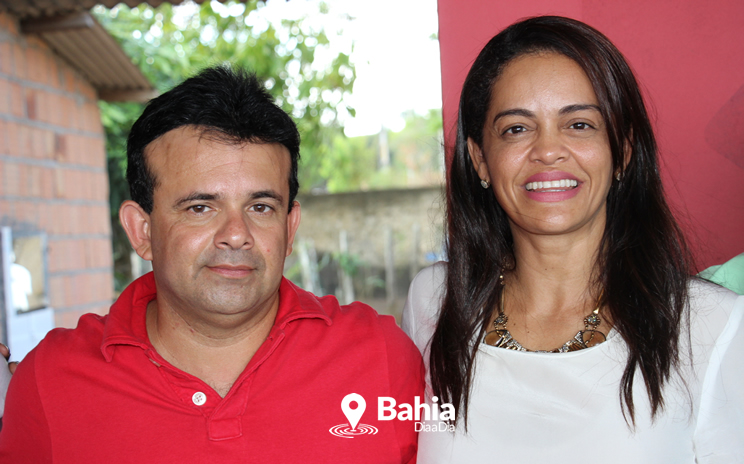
pixel 293 222
pixel 479 163
pixel 136 223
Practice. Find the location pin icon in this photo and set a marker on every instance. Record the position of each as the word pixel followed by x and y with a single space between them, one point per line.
pixel 353 415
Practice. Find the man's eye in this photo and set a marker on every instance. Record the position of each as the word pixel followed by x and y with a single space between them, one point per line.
pixel 199 209
pixel 261 208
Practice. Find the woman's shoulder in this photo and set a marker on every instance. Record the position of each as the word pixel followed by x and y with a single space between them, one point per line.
pixel 430 280
pixel 713 309
pixel 421 311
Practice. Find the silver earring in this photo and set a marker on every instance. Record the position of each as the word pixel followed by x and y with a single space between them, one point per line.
pixel 485 184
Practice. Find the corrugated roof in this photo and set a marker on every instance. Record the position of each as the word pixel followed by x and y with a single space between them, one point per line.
pixel 80 40
pixel 24 9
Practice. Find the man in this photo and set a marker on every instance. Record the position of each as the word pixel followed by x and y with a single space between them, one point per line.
pixel 214 356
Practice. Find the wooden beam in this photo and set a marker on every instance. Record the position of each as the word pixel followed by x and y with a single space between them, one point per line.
pixel 81 20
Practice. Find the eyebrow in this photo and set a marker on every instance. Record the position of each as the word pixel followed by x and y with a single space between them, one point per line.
pixel 196 196
pixel 563 111
pixel 268 194
pixel 579 107
pixel 514 112
pixel 202 196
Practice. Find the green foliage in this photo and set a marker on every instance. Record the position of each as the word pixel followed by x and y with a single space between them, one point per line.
pixel 416 156
pixel 169 44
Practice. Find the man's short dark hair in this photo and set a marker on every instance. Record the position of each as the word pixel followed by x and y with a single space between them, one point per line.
pixel 227 104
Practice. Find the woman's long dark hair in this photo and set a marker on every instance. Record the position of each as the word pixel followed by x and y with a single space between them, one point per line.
pixel 643 261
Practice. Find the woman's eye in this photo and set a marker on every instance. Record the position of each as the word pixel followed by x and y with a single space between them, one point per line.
pixel 581 126
pixel 515 130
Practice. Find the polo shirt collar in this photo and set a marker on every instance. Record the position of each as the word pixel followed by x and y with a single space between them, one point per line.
pixel 125 323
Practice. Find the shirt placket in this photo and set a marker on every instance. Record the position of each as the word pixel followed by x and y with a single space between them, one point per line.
pixel 223 416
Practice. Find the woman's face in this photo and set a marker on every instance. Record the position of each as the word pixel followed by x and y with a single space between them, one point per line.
pixel 545 147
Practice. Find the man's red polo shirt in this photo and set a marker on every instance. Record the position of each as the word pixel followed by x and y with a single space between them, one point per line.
pixel 100 393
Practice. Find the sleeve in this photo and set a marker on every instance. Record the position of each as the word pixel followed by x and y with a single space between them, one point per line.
pixel 406 374
pixel 719 434
pixel 424 299
pixel 25 434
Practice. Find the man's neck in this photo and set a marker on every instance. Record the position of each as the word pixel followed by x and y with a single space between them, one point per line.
pixel 217 356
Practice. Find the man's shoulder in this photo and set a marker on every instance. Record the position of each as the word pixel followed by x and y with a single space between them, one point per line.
pixel 70 343
pixel 360 322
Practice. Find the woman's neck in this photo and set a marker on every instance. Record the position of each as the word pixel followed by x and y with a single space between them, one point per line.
pixel 551 288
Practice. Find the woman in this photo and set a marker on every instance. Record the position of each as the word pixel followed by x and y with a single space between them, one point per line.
pixel 565 326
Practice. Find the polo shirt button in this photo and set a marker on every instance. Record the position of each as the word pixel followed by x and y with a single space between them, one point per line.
pixel 199 398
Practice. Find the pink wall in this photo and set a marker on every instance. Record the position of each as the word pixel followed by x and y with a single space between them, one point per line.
pixel 689 59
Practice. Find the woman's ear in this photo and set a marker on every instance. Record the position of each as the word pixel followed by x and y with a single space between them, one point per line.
pixel 479 162
pixel 627 150
pixel 136 223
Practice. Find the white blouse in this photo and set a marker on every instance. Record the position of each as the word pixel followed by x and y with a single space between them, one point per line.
pixel 565 408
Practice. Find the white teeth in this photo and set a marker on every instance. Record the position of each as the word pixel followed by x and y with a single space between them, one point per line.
pixel 555 184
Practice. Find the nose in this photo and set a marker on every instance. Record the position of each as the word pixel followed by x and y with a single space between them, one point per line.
pixel 234 232
pixel 549 147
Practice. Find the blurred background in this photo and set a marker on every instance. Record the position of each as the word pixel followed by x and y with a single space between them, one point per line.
pixel 76 76
pixel 369 84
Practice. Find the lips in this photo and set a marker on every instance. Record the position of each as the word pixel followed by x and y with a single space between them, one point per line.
pixel 227 270
pixel 552 186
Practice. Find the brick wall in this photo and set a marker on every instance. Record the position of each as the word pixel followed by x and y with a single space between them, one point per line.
pixel 53 171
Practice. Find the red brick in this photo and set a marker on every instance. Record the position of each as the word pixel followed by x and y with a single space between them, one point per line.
pixel 35 65
pixel 12 186
pixel 46 144
pixel 46 221
pixel 17 100
pixel 4 95
pixel 6 58
pixel 4 207
pixel 68 79
pixel 91 118
pixel 33 142
pixel 59 183
pixel 47 183
pixel 54 114
pixel 9 23
pixel 34 181
pixel 55 260
pixel 102 187
pixel 57 291
pixel 68 112
pixel 86 90
pixel 19 61
pixel 33 104
pixel 2 180
pixel 60 146
pixel 4 138
pixel 12 139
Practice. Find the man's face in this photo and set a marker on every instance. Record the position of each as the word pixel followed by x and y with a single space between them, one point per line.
pixel 219 227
